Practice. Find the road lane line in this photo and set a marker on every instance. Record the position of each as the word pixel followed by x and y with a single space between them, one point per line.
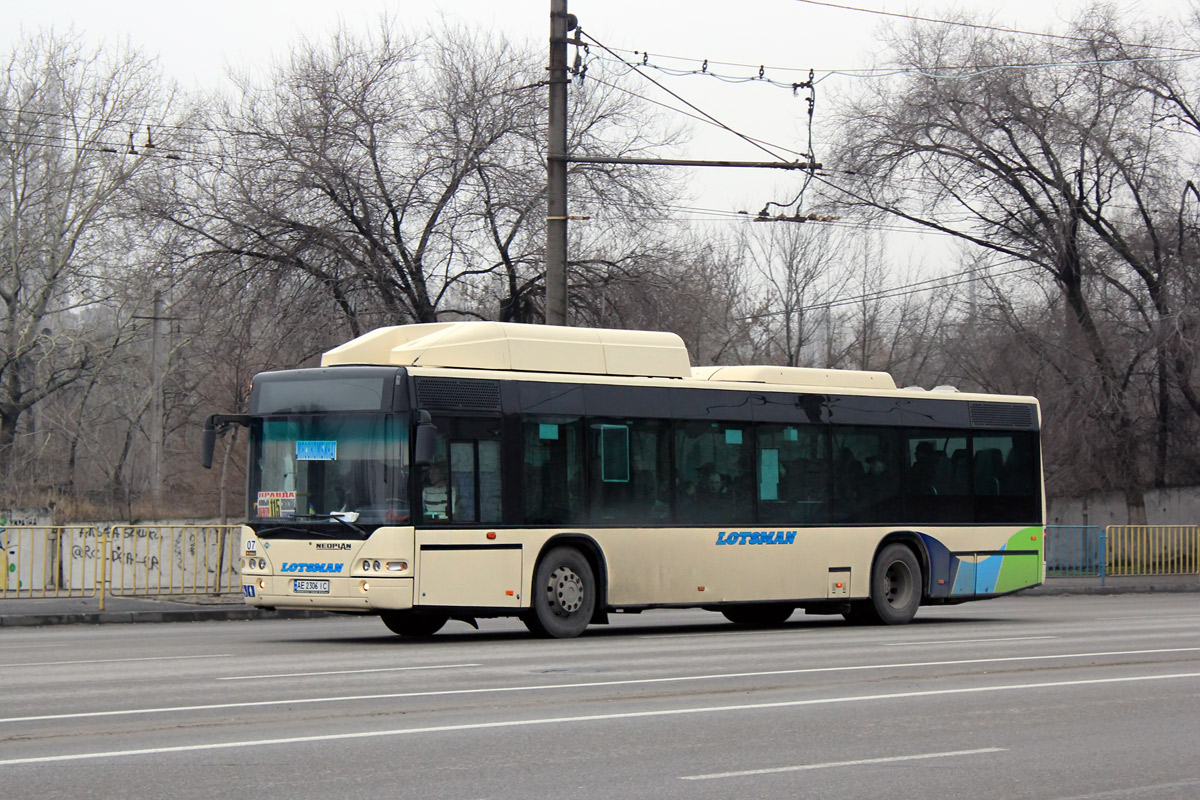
pixel 968 641
pixel 1133 791
pixel 521 723
pixel 345 672
pixel 861 762
pixel 719 634
pixel 114 660
pixel 9 646
pixel 583 685
pixel 1159 618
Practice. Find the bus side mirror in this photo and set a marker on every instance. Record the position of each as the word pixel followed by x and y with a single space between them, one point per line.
pixel 426 441
pixel 218 425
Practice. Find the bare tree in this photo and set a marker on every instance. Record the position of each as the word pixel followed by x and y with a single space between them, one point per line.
pixel 78 128
pixel 1061 167
pixel 401 178
pixel 799 267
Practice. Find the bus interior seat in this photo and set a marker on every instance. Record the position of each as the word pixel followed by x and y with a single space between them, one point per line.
pixel 989 464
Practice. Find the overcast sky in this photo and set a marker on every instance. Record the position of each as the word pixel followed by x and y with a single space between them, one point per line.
pixel 197 42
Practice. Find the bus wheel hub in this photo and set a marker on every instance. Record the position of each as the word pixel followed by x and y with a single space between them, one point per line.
pixel 566 590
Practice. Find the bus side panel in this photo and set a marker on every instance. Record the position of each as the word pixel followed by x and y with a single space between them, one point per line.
pixel 1017 564
pixel 698 566
pixel 469 575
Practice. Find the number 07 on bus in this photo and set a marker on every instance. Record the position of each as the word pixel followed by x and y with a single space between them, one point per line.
pixel 465 470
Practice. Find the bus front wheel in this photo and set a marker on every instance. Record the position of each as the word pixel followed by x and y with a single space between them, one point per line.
pixel 564 595
pixel 413 623
pixel 895 589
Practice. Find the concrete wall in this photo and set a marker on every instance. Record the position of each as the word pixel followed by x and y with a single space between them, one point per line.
pixel 1163 507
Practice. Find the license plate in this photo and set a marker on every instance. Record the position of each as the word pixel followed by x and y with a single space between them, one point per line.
pixel 310 587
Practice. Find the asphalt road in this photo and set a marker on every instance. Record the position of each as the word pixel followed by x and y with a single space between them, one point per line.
pixel 1024 697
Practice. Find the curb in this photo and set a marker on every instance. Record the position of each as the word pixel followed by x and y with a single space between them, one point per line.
pixel 1054 591
pixel 199 615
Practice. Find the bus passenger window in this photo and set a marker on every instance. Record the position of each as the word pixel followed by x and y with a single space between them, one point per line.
pixel 628 474
pixel 714 473
pixel 866 475
pixel 793 474
pixel 935 484
pixel 1006 478
pixel 554 470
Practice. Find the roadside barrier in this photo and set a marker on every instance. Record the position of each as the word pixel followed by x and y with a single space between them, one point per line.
pixel 118 560
pixel 1082 550
pixel 1075 550
pixel 1153 549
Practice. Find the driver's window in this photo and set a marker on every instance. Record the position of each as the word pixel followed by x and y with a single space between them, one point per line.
pixel 462 485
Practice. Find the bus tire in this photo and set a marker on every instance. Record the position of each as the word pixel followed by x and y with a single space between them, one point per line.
pixel 414 623
pixel 758 615
pixel 895 588
pixel 564 595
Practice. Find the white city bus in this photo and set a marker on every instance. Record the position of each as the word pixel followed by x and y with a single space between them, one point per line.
pixel 478 469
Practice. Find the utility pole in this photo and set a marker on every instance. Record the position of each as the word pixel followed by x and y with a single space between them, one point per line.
pixel 561 23
pixel 557 160
pixel 157 404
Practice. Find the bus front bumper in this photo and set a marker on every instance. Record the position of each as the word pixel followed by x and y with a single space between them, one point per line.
pixel 362 595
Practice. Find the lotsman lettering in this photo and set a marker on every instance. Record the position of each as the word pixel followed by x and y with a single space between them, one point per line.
pixel 756 537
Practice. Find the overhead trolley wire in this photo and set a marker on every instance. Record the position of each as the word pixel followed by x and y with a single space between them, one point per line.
pixel 984 27
pixel 686 102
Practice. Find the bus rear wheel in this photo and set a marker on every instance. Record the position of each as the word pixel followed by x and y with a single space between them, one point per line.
pixel 414 623
pixel 564 595
pixel 759 615
pixel 895 589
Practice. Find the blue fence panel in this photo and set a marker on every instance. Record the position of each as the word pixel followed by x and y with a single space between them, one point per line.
pixel 1075 550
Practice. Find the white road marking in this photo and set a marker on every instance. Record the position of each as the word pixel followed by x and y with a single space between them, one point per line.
pixel 345 672
pixel 587 684
pixel 1173 618
pixel 1133 791
pixel 521 723
pixel 114 660
pixel 8 646
pixel 829 764
pixel 719 634
pixel 968 641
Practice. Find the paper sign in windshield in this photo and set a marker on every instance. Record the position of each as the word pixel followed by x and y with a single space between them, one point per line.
pixel 276 504
pixel 316 451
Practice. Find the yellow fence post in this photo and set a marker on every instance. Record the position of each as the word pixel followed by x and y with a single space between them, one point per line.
pixel 103 565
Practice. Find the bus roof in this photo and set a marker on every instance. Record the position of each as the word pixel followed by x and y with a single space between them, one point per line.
pixel 510 346
pixel 798 376
pixel 520 348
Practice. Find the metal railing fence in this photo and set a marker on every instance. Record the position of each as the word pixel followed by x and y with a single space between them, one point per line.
pixel 1075 550
pixel 1153 549
pixel 1122 550
pixel 118 560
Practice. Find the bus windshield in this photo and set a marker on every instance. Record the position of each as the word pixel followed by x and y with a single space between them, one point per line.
pixel 333 468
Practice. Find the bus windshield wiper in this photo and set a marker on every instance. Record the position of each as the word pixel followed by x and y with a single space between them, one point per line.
pixel 337 517
pixel 300 529
pixel 280 529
